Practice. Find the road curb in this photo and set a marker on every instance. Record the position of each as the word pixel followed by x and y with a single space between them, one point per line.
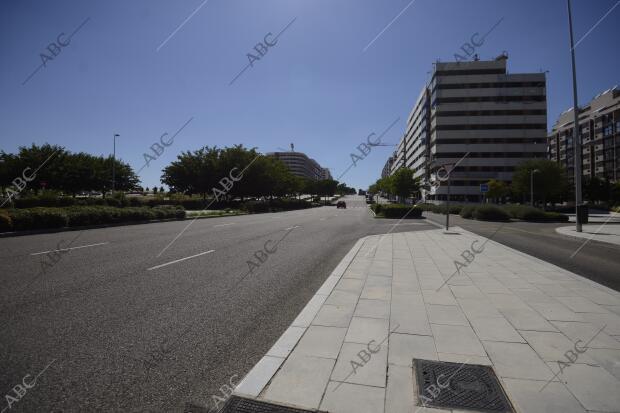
pixel 261 374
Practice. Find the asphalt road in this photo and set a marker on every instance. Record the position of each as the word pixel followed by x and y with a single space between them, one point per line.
pixel 598 261
pixel 127 330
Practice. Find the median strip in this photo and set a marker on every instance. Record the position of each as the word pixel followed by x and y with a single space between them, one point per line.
pixel 68 249
pixel 179 260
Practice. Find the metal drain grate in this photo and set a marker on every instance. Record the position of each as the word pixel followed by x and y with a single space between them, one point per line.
pixel 459 386
pixel 238 404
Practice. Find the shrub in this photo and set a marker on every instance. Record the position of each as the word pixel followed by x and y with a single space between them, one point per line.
pixel 490 213
pixel 467 211
pixel 400 211
pixel 5 221
pixel 38 218
pixel 376 208
pixel 528 213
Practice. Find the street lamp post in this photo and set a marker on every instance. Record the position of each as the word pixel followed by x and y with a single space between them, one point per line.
pixel 576 136
pixel 114 162
pixel 532 186
pixel 448 206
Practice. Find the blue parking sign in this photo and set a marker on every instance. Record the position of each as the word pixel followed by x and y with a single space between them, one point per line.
pixel 484 188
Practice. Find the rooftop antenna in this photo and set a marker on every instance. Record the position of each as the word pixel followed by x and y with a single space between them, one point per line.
pixel 292 147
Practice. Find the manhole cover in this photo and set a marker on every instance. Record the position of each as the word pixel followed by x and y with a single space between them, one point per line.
pixel 459 386
pixel 238 404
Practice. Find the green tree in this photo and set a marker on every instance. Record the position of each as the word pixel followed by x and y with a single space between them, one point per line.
pixel 497 189
pixel 403 184
pixel 550 181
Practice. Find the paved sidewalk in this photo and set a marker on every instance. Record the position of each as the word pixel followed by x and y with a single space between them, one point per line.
pixel 604 232
pixel 387 302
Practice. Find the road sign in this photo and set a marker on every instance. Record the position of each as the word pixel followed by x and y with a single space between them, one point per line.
pixel 484 188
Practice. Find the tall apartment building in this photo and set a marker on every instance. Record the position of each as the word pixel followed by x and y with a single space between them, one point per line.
pixel 476 107
pixel 301 165
pixel 599 126
pixel 387 168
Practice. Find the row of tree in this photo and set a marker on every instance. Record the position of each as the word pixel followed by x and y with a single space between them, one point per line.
pixel 247 172
pixel 53 167
pixel 550 185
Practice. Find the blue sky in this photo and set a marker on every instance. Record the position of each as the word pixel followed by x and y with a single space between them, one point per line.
pixel 316 87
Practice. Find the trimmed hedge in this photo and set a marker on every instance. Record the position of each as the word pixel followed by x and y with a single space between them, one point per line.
pixel 490 213
pixel 467 211
pixel 399 211
pixel 528 213
pixel 275 205
pixel 43 218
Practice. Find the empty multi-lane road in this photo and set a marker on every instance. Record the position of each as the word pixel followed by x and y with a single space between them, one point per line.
pixel 126 328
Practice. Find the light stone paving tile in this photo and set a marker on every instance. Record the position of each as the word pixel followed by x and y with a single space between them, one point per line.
pixel 555 290
pixel 363 330
pixel 406 299
pixel 516 283
pixel 259 376
pixel 442 297
pixel 432 283
pixel 593 386
pixel 344 298
pixel 409 319
pixel 531 295
pixel 353 398
pixel 492 287
pixel 334 316
pixel 478 308
pixel 373 308
pixel 405 347
pixel 467 291
pixel 406 287
pixel 507 301
pixel 460 280
pixel 286 342
pixel 554 346
pixel 309 312
pixel 399 392
pixel 527 319
pixel 516 360
pixel 495 329
pixel 350 284
pixel 301 381
pixel 376 292
pixel 612 308
pixel 377 281
pixel 554 398
pixel 457 339
pixel 355 274
pixel 556 311
pixel 598 296
pixel 581 305
pixel 611 322
pixel 367 370
pixel 608 359
pixel 328 285
pixel 446 314
pixel 464 359
pixel 319 341
pixel 587 333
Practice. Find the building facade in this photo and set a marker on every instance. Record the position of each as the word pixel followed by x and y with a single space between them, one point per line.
pixel 599 127
pixel 476 108
pixel 301 165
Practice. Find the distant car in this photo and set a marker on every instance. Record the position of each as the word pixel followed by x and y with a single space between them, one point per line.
pixel 341 204
pixel 370 201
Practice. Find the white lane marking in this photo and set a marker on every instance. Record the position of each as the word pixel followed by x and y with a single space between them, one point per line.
pixel 223 225
pixel 67 249
pixel 179 260
pixel 296 226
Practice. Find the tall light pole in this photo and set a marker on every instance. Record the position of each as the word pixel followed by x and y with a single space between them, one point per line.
pixel 576 135
pixel 114 162
pixel 532 186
